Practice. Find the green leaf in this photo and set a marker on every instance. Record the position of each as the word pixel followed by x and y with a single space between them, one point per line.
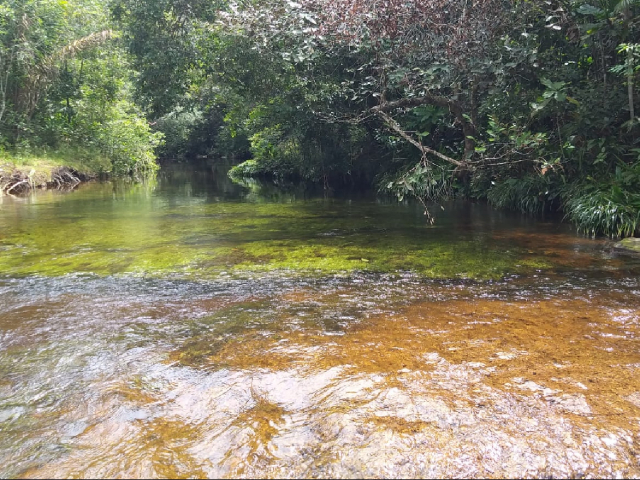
pixel 586 9
pixel 552 85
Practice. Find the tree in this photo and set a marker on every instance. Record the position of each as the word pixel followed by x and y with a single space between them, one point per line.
pixel 165 39
pixel 437 53
pixel 65 83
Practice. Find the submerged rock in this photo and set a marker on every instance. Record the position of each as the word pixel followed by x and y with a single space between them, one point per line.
pixel 630 244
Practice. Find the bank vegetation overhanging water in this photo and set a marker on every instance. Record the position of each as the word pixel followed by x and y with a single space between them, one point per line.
pixel 528 105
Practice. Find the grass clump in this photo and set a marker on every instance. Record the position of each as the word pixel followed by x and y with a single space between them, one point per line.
pixel 609 206
pixel 614 212
pixel 530 194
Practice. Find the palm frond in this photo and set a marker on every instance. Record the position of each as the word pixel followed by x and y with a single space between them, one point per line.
pixel 623 5
pixel 45 71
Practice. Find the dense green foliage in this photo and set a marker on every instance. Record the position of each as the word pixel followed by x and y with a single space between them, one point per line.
pixel 66 86
pixel 528 105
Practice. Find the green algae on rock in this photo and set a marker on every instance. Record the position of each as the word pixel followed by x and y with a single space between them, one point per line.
pixel 630 244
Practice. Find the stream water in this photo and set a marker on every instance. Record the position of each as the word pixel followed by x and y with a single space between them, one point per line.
pixel 188 327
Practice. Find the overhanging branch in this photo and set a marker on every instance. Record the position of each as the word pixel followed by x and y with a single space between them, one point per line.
pixel 417 101
pixel 395 126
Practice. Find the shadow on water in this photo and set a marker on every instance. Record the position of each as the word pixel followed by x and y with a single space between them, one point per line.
pixel 189 327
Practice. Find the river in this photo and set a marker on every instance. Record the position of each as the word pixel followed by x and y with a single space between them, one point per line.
pixel 187 327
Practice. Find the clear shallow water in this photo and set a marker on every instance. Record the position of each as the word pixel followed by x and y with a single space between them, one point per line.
pixel 192 328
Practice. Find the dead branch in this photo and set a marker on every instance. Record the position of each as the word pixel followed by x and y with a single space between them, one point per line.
pixel 416 102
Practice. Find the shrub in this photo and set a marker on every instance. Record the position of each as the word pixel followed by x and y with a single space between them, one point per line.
pixel 248 169
pixel 128 141
pixel 178 127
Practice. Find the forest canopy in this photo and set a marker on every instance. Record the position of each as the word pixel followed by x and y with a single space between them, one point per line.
pixel 530 105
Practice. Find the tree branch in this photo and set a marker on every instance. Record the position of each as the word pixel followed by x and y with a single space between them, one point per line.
pixel 468 127
pixel 395 126
pixel 417 101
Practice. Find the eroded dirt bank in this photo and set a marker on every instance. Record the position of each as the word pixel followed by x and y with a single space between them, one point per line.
pixel 19 181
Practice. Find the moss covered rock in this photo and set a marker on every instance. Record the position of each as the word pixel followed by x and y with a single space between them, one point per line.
pixel 630 244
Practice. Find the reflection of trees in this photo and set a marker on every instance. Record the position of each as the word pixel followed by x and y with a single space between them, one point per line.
pixel 128 187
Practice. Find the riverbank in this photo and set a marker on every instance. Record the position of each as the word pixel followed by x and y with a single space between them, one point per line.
pixel 21 174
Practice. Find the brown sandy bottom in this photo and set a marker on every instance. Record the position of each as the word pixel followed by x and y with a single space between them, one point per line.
pixel 480 387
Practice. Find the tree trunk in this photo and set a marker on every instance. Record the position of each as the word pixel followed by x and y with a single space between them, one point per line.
pixel 630 82
pixel 627 20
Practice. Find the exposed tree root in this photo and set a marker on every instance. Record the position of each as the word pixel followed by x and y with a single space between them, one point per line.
pixel 17 182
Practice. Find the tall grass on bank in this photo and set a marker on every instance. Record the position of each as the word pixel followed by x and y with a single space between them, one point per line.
pixel 531 194
pixel 614 212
